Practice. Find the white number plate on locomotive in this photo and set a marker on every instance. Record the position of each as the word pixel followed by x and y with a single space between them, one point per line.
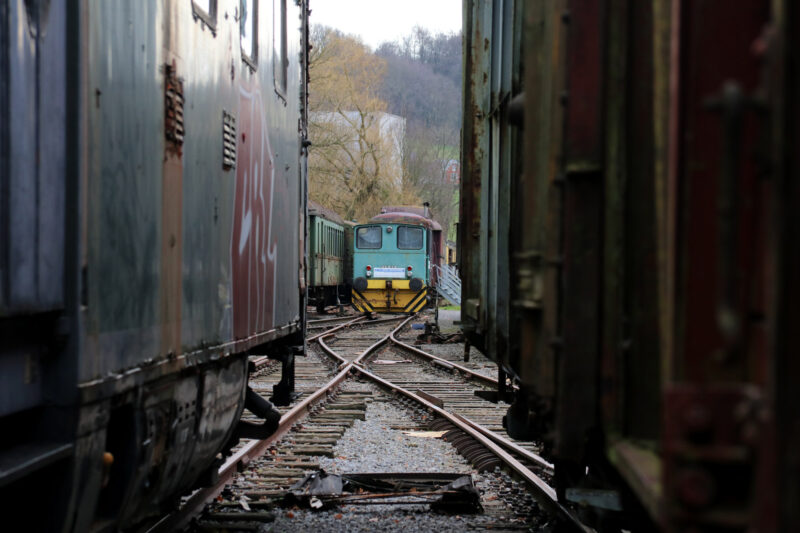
pixel 390 272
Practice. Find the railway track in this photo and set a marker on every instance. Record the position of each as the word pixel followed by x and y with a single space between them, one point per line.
pixel 324 323
pixel 364 389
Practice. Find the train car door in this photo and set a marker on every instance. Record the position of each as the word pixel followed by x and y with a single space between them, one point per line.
pixel 729 198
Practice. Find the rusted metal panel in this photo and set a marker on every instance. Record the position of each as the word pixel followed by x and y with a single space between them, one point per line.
pixel 614 228
pixel 715 47
pixel 783 466
pixel 631 336
pixel 586 22
pixel 538 251
pixel 640 340
pixel 710 440
pixel 577 408
pixel 475 154
pixel 170 271
pixel 723 275
pixel 581 251
pixel 253 242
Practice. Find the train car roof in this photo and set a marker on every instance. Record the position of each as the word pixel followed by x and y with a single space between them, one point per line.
pixel 315 209
pixel 399 217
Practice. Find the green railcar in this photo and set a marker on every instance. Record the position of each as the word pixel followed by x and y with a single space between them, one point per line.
pixel 329 257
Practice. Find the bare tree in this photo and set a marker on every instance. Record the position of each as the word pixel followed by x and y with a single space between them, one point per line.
pixel 355 162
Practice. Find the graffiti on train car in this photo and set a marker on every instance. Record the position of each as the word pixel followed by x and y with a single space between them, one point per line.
pixel 253 248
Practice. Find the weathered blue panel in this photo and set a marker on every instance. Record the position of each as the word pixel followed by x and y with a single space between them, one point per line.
pixel 209 89
pixel 32 84
pixel 125 151
pixel 52 76
pixel 20 386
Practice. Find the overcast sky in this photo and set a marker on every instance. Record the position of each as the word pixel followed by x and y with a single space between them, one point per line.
pixel 376 21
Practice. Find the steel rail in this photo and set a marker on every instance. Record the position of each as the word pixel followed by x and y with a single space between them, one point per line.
pixel 320 339
pixel 374 321
pixel 444 362
pixel 324 320
pixel 258 362
pixel 509 444
pixel 496 437
pixel 360 359
pixel 542 492
pixel 328 351
pixel 241 458
pixel 337 328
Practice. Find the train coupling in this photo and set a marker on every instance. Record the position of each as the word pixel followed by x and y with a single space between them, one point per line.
pixel 262 408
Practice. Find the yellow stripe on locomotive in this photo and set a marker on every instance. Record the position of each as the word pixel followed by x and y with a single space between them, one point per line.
pixel 389 296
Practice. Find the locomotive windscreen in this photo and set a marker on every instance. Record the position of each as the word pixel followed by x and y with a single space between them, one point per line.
pixel 369 237
pixel 409 238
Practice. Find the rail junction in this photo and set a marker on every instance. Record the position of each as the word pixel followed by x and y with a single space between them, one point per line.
pixel 363 384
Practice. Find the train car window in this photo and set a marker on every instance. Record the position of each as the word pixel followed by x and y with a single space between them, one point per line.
pixel 409 238
pixel 280 56
pixel 206 11
pixel 369 237
pixel 248 30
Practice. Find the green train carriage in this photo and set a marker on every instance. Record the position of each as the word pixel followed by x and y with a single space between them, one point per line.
pixel 329 257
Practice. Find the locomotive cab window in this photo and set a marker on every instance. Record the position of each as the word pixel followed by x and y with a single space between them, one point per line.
pixel 409 238
pixel 369 237
pixel 248 30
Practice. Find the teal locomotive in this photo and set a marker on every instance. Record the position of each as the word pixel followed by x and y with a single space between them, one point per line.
pixel 392 258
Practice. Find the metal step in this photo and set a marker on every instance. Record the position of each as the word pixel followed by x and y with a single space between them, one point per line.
pixel 449 283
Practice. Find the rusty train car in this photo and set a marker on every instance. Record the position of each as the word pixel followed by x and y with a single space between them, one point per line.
pixel 152 207
pixel 629 250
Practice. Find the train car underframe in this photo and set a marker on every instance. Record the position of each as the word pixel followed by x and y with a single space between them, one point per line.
pixel 141 438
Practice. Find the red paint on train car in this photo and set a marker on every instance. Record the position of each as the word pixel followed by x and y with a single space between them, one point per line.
pixel 253 246
pixel 586 21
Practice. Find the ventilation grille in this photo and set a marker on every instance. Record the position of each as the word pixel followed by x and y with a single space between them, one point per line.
pixel 228 140
pixel 173 108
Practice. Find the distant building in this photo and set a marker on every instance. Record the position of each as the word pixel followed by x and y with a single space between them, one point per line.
pixel 452 172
